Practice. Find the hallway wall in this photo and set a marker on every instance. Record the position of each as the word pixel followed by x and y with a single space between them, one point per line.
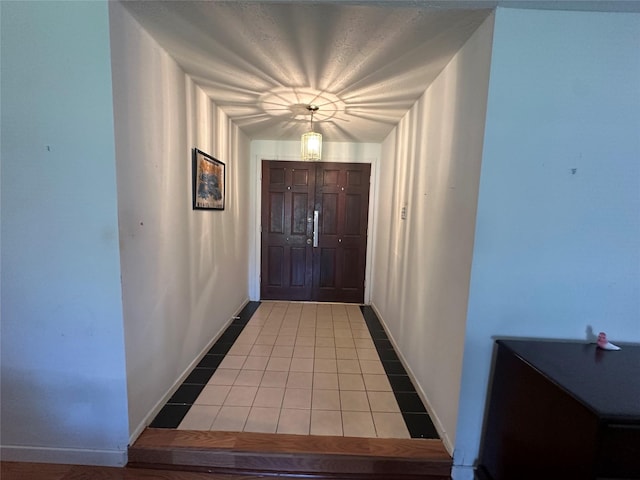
pixel 63 359
pixel 430 166
pixel 184 272
pixel 556 250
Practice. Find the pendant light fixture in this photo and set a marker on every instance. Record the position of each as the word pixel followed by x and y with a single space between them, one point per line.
pixel 311 141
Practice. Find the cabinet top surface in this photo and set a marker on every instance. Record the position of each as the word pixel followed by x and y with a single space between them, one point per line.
pixel 606 381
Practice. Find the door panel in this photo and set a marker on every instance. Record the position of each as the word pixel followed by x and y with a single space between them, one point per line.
pixel 350 277
pixel 327 257
pixel 292 269
pixel 342 198
pixel 276 209
pixel 287 208
pixel 328 208
pixel 352 215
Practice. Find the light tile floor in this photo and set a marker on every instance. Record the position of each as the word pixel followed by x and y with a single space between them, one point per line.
pixel 301 368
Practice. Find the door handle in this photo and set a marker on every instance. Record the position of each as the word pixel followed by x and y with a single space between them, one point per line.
pixel 315 227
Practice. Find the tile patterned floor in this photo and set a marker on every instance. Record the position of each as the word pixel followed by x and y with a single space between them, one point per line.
pixel 301 368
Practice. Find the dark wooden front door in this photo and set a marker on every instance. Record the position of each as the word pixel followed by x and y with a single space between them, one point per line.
pixel 288 191
pixel 314 231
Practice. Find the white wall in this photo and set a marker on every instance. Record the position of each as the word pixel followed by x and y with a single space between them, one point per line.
pixel 431 165
pixel 344 152
pixel 63 360
pixel 184 272
pixel 556 252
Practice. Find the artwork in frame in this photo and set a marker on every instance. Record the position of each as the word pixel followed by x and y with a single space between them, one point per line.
pixel 208 182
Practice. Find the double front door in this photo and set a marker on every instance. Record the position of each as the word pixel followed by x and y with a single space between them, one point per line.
pixel 314 231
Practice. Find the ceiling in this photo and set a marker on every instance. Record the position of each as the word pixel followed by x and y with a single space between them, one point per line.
pixel 364 64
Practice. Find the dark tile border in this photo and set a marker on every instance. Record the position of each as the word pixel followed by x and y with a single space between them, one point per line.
pixel 186 394
pixel 420 425
pixel 210 361
pixel 170 416
pixel 199 376
pixel 401 383
pixel 181 401
pixel 413 411
pixel 394 368
pixel 220 348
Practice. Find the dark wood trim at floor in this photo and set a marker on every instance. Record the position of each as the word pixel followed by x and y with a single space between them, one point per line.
pixel 49 471
pixel 291 455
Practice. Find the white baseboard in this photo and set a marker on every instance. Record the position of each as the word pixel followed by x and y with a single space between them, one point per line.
pixel 69 456
pixel 448 444
pixel 462 473
pixel 165 398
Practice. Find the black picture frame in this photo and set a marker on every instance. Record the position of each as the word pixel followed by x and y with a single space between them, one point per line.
pixel 209 181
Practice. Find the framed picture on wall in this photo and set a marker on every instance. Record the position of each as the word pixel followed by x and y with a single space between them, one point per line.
pixel 208 182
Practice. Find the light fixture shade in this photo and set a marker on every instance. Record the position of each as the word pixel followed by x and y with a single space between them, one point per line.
pixel 311 146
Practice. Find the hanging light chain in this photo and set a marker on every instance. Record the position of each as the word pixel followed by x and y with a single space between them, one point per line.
pixel 313 109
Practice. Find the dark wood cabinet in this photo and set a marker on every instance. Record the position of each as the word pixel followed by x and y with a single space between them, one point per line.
pixel 562 410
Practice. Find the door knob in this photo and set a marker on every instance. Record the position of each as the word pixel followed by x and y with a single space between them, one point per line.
pixel 308 241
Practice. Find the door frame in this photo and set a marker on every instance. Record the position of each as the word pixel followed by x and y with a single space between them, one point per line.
pixel 254 277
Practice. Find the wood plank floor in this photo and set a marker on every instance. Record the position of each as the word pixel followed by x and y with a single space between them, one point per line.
pixel 163 454
pixel 281 454
pixel 47 471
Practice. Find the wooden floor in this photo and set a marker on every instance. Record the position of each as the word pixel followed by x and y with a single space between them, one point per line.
pixel 47 471
pixel 281 454
pixel 165 454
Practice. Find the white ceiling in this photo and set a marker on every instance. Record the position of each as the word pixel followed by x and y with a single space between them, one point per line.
pixel 364 64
